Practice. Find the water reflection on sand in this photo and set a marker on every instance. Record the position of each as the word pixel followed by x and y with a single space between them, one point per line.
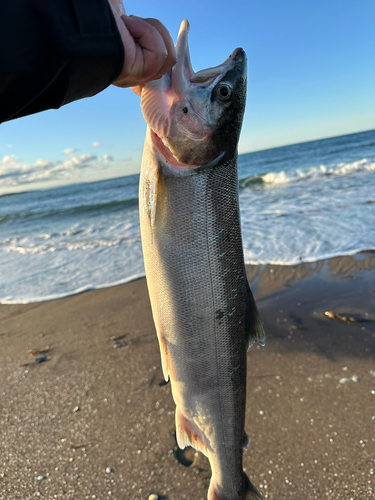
pixel 269 278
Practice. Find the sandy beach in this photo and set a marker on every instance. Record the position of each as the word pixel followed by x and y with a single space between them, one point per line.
pixel 89 415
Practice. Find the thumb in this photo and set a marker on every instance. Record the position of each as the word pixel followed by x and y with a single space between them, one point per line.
pixel 118 6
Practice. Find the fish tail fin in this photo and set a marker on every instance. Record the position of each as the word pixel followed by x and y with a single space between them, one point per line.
pixel 248 492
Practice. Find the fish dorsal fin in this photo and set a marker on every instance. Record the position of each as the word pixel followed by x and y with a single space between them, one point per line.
pixel 188 434
pixel 254 325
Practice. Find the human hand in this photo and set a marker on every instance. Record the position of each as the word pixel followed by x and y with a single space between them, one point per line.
pixel 149 49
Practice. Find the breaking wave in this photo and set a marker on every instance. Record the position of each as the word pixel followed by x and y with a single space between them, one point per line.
pixel 285 177
pixel 69 245
pixel 299 203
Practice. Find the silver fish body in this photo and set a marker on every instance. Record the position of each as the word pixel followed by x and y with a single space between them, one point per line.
pixel 204 311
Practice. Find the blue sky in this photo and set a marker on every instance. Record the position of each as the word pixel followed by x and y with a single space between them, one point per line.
pixel 311 74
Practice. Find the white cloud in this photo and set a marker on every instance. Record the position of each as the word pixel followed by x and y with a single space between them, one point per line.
pixel 14 171
pixel 106 158
pixel 69 151
pixel 96 144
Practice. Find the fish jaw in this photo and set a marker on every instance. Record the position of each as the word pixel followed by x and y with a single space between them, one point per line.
pixel 186 112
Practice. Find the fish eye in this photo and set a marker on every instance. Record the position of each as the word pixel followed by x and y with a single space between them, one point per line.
pixel 224 92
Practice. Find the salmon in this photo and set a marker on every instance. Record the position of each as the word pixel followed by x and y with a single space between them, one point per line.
pixel 204 311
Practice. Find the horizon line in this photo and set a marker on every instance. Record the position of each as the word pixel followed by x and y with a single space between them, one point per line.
pixel 306 142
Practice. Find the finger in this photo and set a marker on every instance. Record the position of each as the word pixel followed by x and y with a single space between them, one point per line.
pixel 149 50
pixel 119 6
pixel 167 38
pixel 137 90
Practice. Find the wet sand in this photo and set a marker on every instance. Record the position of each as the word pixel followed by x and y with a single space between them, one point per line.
pixel 92 416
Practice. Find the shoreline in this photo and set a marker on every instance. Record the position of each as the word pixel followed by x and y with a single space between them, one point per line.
pixel 95 398
pixel 253 271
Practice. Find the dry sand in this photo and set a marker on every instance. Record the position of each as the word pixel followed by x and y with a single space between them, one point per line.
pixel 94 419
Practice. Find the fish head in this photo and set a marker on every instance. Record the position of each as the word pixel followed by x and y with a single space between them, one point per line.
pixel 196 118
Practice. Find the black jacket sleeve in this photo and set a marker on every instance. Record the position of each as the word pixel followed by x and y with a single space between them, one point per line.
pixel 53 52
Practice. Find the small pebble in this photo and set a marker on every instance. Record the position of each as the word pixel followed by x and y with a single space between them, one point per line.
pixel 40 478
pixel 77 408
pixel 355 378
pixel 261 413
pixel 153 496
pixel 109 470
pixel 344 380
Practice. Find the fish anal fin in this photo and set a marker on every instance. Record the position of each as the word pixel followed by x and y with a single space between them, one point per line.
pixel 187 434
pixel 164 356
pixel 254 325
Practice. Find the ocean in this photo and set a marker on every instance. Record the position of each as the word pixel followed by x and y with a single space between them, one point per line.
pixel 299 203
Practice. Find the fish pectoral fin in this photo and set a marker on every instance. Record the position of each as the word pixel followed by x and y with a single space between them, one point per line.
pixel 254 325
pixel 246 442
pixel 150 190
pixel 188 434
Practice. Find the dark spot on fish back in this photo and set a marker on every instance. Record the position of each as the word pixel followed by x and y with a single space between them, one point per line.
pixel 219 314
pixel 185 110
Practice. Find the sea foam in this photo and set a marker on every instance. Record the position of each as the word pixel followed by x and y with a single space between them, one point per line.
pixel 300 203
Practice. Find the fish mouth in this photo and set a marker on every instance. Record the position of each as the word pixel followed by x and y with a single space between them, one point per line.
pixel 166 154
pixel 182 71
